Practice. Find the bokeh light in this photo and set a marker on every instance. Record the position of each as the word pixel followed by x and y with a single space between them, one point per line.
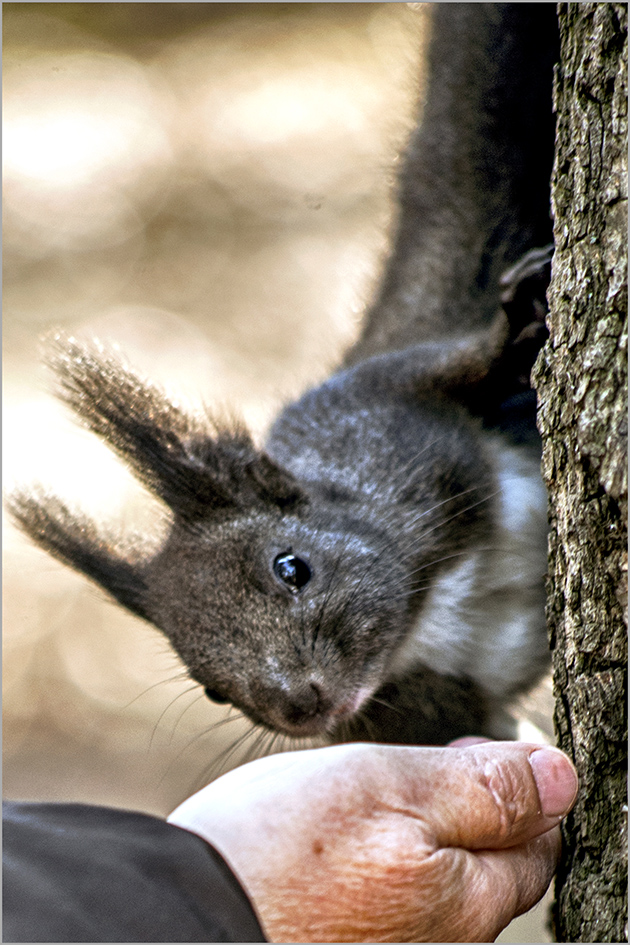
pixel 83 145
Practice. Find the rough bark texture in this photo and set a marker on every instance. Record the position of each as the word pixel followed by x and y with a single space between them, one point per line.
pixel 581 378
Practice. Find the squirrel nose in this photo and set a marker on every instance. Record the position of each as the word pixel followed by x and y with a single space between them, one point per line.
pixel 304 702
pixel 298 703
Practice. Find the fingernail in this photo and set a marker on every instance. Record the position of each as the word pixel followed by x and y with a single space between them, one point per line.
pixel 556 780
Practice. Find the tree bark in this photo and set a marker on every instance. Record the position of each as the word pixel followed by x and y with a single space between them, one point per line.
pixel 581 377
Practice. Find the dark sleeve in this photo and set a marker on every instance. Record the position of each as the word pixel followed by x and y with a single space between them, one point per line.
pixel 74 873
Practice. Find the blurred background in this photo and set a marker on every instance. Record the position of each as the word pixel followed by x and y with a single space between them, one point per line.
pixel 208 187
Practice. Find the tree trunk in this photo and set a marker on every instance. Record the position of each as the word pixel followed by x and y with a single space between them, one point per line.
pixel 581 377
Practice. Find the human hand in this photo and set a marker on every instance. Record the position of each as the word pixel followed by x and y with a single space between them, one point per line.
pixel 377 843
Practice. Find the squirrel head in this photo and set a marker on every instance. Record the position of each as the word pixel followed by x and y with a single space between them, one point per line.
pixel 276 602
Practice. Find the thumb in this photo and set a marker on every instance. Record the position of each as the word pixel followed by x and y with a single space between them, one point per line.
pixel 494 795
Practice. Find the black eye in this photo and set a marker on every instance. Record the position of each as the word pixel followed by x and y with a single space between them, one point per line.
pixel 215 696
pixel 292 571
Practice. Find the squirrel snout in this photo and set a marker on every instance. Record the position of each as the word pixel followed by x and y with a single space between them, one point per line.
pixel 301 708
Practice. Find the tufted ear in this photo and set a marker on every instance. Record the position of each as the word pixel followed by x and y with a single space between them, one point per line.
pixel 75 540
pixel 196 467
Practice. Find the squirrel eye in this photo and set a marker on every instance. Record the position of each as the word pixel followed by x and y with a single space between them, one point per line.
pixel 292 571
pixel 215 696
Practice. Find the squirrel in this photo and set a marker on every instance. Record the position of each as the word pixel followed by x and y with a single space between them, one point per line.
pixel 376 570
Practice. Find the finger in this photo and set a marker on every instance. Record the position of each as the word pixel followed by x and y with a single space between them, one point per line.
pixel 490 888
pixel 516 879
pixel 488 796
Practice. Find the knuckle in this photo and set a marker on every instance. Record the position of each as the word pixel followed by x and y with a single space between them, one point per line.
pixel 504 783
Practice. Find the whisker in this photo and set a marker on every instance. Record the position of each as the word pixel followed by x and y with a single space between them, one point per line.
pixel 209 730
pixel 439 505
pixel 178 677
pixel 219 764
pixel 262 736
pixel 387 704
pixel 200 697
pixel 468 508
pixel 184 692
pixel 411 466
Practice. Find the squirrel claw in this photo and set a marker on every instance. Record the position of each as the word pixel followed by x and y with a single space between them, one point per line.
pixel 524 292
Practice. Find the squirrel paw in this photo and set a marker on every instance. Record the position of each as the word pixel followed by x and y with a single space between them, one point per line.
pixel 524 302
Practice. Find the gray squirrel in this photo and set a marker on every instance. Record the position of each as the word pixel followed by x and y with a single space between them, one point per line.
pixel 375 571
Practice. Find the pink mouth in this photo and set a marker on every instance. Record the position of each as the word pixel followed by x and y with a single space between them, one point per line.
pixel 352 705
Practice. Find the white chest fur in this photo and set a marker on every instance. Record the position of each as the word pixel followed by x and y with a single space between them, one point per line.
pixel 484 617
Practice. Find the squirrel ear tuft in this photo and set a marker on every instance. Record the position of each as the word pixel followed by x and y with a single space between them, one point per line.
pixel 75 540
pixel 197 468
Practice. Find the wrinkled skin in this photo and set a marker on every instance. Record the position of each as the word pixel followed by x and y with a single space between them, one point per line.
pixel 378 843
